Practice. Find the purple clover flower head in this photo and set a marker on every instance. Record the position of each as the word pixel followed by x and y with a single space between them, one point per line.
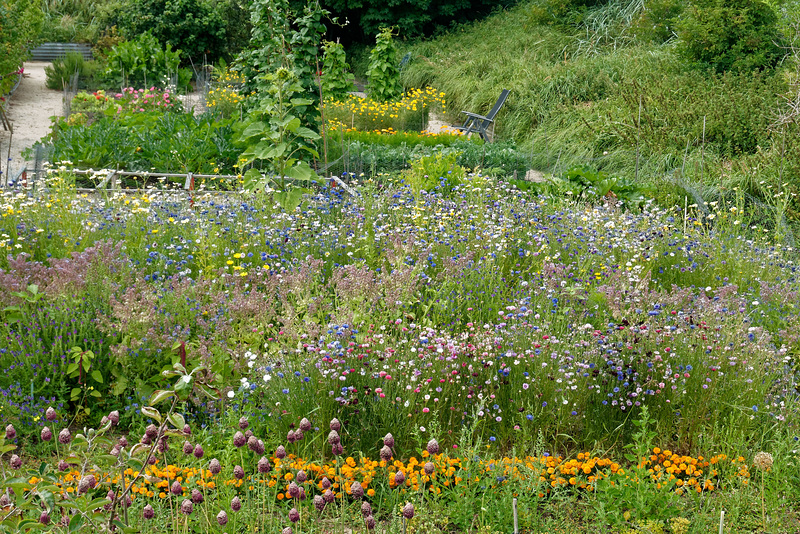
pixel 302 494
pixel 63 466
pixel 433 447
pixel 290 437
pixel 238 472
pixel 357 490
pixel 46 434
pixel 151 431
pixel 187 507
pixel 326 484
pixel 305 425
pixel 260 449
pixel 399 478
pixel 222 518
pixel 92 481
pixel 187 430
pixel 287 530
pixel 162 446
pixel 252 443
pixel 386 453
pixel 114 417
pixel 64 437
pixel 111 495
pixel 298 434
pixel 333 437
pixel 145 440
pixel 236 504
pixel 44 518
pixel 83 485
pixel 263 465
pixel 366 509
pixel 123 442
pixel 408 510
pixel 239 439
pixel 335 425
pixel 214 466
pixel 198 451
pixel 370 522
pixel 188 448
pixel 429 468
pixel 280 452
pixel 197 496
pixel 11 432
pixel 15 462
pixel 50 414
pixel 337 449
pixel 151 460
pixel 328 496
pixel 294 515
pixel 243 423
pixel 388 440
pixel 248 433
pixel 319 503
pixel 293 490
pixel 176 488
pixel 301 476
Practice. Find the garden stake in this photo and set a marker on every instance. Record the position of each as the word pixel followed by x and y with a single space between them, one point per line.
pixel 516 523
pixel 721 520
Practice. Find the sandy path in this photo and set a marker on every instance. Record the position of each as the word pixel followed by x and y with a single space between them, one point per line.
pixel 29 111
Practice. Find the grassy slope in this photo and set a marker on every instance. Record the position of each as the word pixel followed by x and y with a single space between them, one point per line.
pixel 574 101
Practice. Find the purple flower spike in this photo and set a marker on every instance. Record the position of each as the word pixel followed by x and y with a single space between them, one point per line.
pixel 263 465
pixel 198 451
pixel 114 417
pixel 388 440
pixel 188 448
pixel 252 443
pixel 280 452
pixel 335 425
pixel 357 490
pixel 44 518
pixel 238 472
pixel 301 476
pixel 197 496
pixel 386 453
pixel 370 522
pixel 429 467
pixel 399 478
pixel 433 447
pixel 333 437
pixel 305 425
pixel 148 512
pixel 326 484
pixel 319 503
pixel 328 496
pixel 337 449
pixel 176 488
pixel 222 518
pixel 366 509
pixel 408 510
pixel 287 530
pixel 47 434
pixel 293 490
pixel 239 439
pixel 15 462
pixel 187 507
pixel 64 437
pixel 11 432
pixel 50 414
pixel 243 423
pixel 236 504
pixel 214 466
pixel 294 515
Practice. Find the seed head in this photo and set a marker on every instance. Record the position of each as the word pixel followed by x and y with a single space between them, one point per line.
pixel 243 423
pixel 386 453
pixel 429 468
pixel 11 432
pixel 326 484
pixel 248 433
pixel 294 515
pixel 50 414
pixel 236 504
pixel 239 439
pixel 408 510
pixel 148 512
pixel 366 509
pixel 399 478
pixel 763 460
pixel 305 425
pixel 238 472
pixel 44 518
pixel 433 447
pixel 370 522
pixel 290 437
pixel 335 425
pixel 63 466
pixel 319 503
pixel 187 507
pixel 187 430
pixel 123 442
pixel 287 530
pixel 301 476
pixel 114 417
pixel 222 518
pixel 328 496
pixel 337 449
pixel 176 488
pixel 333 437
pixel 188 448
pixel 64 437
pixel 388 440
pixel 357 490
pixel 83 485
pixel 214 466
pixel 298 435
pixel 15 461
pixel 280 452
pixel 198 451
pixel 197 496
pixel 252 443
pixel 151 431
pixel 293 490
pixel 163 446
pixel 263 465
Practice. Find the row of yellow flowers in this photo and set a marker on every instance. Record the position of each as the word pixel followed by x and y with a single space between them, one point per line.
pixel 436 473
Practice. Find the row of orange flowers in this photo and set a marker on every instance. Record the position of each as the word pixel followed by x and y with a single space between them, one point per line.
pixel 435 473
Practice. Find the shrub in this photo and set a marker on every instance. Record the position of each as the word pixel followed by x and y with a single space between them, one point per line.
pixel 723 35
pixel 62 70
pixel 143 63
pixel 19 25
pixel 337 80
pixel 193 25
pixel 383 73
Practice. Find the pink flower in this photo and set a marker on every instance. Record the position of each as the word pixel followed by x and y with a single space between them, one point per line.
pixel 426 410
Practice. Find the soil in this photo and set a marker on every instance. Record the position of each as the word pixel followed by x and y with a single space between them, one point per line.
pixel 30 109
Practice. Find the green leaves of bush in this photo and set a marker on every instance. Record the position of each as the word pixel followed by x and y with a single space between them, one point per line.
pixel 723 35
pixel 383 73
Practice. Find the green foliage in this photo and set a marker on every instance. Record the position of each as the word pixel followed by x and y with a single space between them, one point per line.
pixel 337 81
pixel 144 63
pixel 656 22
pixel 20 21
pixel 592 185
pixel 74 21
pixel 168 142
pixel 438 171
pixel 194 26
pixel 274 134
pixel 722 35
pixel 61 71
pixel 383 73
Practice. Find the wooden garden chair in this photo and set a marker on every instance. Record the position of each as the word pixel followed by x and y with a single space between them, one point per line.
pixel 479 123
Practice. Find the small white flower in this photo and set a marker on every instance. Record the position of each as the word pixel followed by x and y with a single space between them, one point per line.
pixel 231 394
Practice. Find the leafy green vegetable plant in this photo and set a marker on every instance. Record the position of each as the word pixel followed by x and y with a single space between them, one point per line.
pixel 383 73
